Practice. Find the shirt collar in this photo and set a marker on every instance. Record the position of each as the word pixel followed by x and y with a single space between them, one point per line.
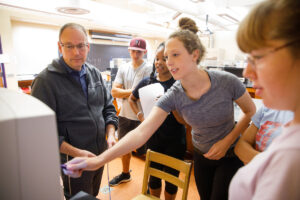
pixel 81 73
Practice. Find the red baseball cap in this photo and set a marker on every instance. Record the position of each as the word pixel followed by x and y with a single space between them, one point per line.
pixel 137 44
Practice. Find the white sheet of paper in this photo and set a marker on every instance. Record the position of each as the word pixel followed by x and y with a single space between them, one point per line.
pixel 149 95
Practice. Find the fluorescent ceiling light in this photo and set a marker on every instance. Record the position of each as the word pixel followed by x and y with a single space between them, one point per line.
pixel 197 1
pixel 108 36
pixel 229 18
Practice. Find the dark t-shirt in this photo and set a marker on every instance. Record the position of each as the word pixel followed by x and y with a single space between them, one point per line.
pixel 170 130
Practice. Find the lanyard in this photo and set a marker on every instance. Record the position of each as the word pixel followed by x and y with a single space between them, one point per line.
pixel 108 181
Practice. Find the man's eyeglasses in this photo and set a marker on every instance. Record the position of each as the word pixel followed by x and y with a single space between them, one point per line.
pixel 80 47
pixel 252 60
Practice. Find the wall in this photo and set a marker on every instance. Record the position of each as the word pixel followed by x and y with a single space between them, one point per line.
pixel 226 40
pixel 7 47
pixel 35 46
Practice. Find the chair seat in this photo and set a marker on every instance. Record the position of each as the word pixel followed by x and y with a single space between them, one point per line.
pixel 145 197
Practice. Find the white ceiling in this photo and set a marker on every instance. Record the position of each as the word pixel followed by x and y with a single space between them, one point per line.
pixel 148 18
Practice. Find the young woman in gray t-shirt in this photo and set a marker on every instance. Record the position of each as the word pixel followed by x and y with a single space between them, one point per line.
pixel 205 101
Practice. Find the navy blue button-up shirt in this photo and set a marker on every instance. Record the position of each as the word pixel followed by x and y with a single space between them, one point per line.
pixel 79 76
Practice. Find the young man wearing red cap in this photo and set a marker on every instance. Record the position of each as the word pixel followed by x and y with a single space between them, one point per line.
pixel 128 76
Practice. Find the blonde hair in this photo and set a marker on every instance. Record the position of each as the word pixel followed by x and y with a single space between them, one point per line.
pixel 187 35
pixel 270 20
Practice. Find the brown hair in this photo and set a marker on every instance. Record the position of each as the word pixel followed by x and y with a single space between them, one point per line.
pixel 72 25
pixel 187 35
pixel 271 20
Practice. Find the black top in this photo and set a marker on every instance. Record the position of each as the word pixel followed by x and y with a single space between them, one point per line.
pixel 170 130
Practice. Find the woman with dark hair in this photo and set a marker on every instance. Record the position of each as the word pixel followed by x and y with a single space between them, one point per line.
pixel 169 138
pixel 205 101
pixel 270 35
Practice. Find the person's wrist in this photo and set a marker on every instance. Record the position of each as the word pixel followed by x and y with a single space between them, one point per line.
pixel 138 114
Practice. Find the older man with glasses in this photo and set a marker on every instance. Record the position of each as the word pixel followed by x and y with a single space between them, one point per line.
pixel 86 116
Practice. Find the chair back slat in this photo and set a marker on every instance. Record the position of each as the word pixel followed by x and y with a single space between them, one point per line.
pixel 182 166
pixel 169 161
pixel 166 176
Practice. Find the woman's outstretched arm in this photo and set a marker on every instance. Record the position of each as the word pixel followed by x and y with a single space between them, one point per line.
pixel 131 141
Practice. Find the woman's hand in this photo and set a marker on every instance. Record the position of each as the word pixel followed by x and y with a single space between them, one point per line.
pixel 218 150
pixel 76 166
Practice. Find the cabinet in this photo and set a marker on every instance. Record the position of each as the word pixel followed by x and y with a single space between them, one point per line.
pixel 2 76
pixel 25 85
pixel 1 79
pixel 251 91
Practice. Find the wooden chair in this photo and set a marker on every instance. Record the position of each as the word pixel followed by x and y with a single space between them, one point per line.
pixel 177 164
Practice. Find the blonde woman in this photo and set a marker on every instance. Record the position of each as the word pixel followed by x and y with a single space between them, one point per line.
pixel 270 34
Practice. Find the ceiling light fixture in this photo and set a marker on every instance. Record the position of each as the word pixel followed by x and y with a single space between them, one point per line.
pixel 229 18
pixel 72 10
pixel 110 36
pixel 197 1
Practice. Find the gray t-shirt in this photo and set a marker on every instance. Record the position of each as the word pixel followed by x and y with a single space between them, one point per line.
pixel 211 117
pixel 129 78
